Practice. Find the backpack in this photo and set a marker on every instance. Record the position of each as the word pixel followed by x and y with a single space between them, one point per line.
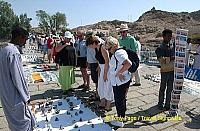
pixel 133 57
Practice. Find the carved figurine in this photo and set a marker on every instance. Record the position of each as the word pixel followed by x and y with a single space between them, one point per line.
pixel 57 111
pixel 49 110
pixel 71 103
pixel 49 129
pixel 67 99
pixel 46 119
pixel 39 105
pixel 56 119
pixel 81 120
pixel 76 114
pixel 68 113
pixel 43 110
pixel 61 128
pixel 54 106
pixel 75 126
pixel 80 112
pixel 59 103
pixel 51 102
pixel 99 118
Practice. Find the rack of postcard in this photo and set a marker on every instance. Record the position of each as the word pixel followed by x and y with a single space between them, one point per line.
pixel 179 67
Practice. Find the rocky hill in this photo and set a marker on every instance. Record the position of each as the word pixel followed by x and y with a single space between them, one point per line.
pixel 150 25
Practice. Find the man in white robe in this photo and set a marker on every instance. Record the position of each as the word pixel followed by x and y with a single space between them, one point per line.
pixel 13 87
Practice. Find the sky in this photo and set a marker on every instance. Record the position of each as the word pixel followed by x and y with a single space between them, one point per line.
pixel 85 12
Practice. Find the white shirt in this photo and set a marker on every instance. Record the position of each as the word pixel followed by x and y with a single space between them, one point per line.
pixel 121 56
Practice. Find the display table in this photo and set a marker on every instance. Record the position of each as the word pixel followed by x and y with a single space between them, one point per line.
pixel 66 114
pixel 36 74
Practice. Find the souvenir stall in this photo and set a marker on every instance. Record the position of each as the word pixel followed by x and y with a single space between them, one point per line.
pixel 68 113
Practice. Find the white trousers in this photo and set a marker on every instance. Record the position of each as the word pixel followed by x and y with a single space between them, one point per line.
pixel 105 89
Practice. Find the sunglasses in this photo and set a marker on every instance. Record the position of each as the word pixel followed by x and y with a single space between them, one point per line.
pixel 122 31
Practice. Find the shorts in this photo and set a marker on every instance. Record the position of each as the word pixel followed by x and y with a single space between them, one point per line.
pixel 94 72
pixel 45 49
pixel 54 52
pixel 82 62
pixel 49 51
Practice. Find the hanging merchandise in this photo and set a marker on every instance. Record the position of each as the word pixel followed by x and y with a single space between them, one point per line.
pixel 179 69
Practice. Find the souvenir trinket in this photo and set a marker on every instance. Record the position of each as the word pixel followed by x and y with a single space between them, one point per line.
pixel 56 119
pixel 80 112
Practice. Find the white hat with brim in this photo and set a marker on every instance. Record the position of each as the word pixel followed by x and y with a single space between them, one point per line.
pixel 68 35
pixel 123 27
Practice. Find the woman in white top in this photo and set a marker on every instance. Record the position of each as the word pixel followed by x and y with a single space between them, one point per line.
pixel 119 76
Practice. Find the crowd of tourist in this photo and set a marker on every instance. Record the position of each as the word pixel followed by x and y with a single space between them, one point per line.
pixel 106 58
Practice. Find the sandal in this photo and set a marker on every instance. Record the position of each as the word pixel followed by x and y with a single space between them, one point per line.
pixel 94 98
pixel 108 106
pixel 102 104
pixel 81 86
pixel 86 89
pixel 108 109
pixel 101 107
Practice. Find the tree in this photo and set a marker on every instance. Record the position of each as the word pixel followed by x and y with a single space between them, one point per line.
pixel 24 21
pixel 51 23
pixel 7 19
pixel 59 20
pixel 44 20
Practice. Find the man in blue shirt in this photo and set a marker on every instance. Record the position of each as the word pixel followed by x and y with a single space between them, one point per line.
pixel 81 51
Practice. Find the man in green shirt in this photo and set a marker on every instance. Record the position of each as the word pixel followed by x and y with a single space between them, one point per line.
pixel 126 40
